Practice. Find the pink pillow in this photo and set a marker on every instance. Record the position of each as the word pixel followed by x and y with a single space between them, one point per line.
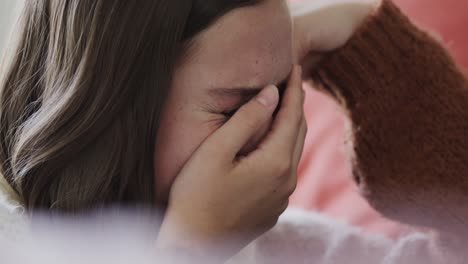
pixel 325 183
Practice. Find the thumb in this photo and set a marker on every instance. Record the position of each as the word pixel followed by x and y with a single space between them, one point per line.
pixel 231 137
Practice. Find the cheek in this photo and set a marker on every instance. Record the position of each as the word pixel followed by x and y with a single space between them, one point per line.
pixel 180 133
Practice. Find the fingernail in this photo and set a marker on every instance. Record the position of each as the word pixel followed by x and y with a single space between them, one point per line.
pixel 268 96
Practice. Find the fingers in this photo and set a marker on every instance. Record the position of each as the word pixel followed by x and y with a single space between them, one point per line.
pixel 281 150
pixel 292 182
pixel 285 129
pixel 245 123
pixel 300 143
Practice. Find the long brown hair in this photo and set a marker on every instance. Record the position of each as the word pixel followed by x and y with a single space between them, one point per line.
pixel 80 101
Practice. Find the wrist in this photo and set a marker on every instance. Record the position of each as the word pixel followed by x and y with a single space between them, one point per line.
pixel 326 25
pixel 188 242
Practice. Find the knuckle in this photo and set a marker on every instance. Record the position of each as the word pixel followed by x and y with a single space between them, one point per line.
pixel 303 93
pixel 291 188
pixel 273 222
pixel 298 117
pixel 250 123
pixel 284 166
pixel 284 206
pixel 306 127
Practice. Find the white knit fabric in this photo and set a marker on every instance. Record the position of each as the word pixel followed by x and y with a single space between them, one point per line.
pixel 299 237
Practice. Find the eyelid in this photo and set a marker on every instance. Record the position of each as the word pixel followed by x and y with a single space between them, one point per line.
pixel 230 113
pixel 238 105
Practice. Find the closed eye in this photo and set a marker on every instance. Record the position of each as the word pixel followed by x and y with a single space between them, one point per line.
pixel 230 113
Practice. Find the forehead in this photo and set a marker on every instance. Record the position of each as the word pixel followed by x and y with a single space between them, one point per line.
pixel 247 47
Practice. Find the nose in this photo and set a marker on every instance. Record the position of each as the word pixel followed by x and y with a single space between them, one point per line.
pixel 256 139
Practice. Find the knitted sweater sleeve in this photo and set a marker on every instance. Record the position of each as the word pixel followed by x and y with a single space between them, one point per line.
pixel 407 103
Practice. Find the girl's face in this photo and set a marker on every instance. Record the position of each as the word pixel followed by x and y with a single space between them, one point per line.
pixel 243 52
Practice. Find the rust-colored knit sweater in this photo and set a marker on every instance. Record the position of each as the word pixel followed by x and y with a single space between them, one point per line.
pixel 408 105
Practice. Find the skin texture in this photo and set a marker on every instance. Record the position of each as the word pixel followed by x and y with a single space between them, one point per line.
pixel 228 163
pixel 247 48
pixel 203 191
